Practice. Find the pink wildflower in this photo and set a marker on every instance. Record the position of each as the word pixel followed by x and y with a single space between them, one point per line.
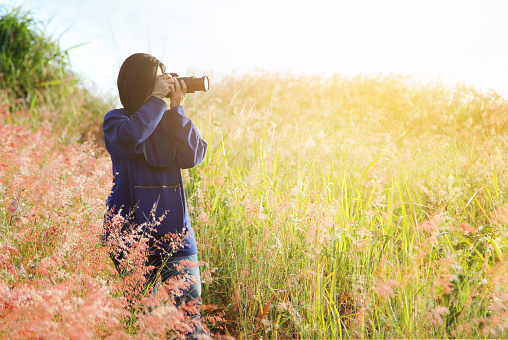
pixel 436 314
pixel 385 289
pixel 467 228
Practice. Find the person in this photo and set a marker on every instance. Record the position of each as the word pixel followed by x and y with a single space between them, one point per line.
pixel 149 145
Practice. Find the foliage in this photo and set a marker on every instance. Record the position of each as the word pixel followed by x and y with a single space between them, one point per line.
pixel 35 72
pixel 362 207
pixel 365 207
pixel 29 60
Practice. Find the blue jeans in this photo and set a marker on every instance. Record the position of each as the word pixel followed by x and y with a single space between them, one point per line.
pixel 165 265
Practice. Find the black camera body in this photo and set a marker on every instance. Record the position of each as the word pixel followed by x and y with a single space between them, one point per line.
pixel 193 84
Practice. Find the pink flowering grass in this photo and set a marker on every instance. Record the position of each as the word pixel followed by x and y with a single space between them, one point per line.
pixel 57 280
pixel 54 276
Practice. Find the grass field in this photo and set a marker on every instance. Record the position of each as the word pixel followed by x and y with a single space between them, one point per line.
pixel 361 207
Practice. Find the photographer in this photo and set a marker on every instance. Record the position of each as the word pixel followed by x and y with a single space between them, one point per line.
pixel 149 145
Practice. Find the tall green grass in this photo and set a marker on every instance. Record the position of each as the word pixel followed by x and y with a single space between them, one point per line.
pixel 353 207
pixel 36 73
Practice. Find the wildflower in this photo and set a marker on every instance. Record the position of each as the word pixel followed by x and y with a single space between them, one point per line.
pixel 282 306
pixel 499 216
pixel 431 226
pixel 436 314
pixel 385 289
pixel 186 176
pixel 203 218
pixel 432 239
pixel 206 275
pixel 467 228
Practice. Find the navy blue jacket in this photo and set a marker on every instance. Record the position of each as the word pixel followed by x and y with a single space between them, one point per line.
pixel 148 149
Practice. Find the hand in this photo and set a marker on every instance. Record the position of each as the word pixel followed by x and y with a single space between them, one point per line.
pixel 164 84
pixel 178 95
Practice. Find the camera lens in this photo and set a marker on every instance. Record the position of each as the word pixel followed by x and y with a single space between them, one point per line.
pixel 196 84
pixel 193 84
pixel 206 83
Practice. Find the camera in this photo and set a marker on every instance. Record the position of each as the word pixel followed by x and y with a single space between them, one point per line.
pixel 193 84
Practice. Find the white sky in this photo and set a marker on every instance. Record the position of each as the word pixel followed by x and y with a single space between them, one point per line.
pixel 454 40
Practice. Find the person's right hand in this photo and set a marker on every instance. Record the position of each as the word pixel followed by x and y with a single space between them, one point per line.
pixel 178 96
pixel 164 84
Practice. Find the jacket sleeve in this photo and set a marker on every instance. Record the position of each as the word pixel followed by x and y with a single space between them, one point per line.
pixel 190 147
pixel 127 134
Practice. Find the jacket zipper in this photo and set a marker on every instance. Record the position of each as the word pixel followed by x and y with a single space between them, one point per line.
pixel 169 186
